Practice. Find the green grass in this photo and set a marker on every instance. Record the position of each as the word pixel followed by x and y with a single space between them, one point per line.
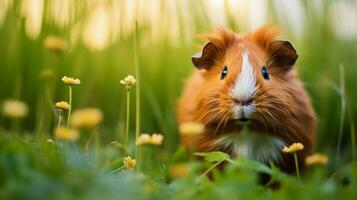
pixel 33 168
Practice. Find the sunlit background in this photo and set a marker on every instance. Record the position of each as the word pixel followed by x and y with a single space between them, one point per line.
pixel 98 48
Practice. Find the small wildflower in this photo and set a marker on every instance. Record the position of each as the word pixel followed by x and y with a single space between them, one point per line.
pixel 71 81
pixel 86 118
pixel 66 134
pixel 129 163
pixel 128 81
pixel 143 139
pixel 14 109
pixel 55 44
pixel 293 148
pixel 191 128
pixel 62 105
pixel 154 139
pixel 316 159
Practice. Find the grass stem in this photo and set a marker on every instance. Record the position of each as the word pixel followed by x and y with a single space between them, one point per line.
pixel 353 139
pixel 96 146
pixel 59 119
pixel 127 119
pixel 15 125
pixel 209 169
pixel 118 169
pixel 342 115
pixel 297 166
pixel 70 105
pixel 137 75
pixel 138 157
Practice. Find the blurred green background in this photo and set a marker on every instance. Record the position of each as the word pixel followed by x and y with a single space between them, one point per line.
pixel 99 51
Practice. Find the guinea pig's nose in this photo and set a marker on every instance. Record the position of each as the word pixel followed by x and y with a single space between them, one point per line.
pixel 243 102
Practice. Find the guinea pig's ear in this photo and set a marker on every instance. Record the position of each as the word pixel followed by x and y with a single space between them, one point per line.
pixel 205 58
pixel 282 54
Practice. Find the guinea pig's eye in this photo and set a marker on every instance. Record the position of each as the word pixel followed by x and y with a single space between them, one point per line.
pixel 265 73
pixel 224 72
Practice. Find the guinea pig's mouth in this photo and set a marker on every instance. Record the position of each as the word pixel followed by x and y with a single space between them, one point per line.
pixel 244 120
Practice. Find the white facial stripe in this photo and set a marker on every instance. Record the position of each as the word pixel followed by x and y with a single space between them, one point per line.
pixel 245 85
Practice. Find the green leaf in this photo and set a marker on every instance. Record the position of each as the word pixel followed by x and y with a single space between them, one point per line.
pixel 245 163
pixel 215 156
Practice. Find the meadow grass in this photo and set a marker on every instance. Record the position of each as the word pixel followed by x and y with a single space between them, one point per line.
pixel 112 157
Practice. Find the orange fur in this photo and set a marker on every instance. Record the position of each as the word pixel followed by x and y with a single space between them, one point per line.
pixel 283 107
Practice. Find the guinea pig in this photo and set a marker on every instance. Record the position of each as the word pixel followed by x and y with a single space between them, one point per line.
pixel 246 93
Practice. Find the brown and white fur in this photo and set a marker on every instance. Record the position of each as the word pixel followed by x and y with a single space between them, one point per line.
pixel 276 112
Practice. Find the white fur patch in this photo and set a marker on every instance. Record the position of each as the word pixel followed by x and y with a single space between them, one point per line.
pixel 245 85
pixel 243 111
pixel 260 147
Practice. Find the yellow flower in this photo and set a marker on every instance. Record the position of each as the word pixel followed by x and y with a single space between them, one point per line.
pixel 316 159
pixel 86 118
pixel 14 109
pixel 66 134
pixel 63 105
pixel 128 81
pixel 143 139
pixel 154 139
pixel 293 148
pixel 55 43
pixel 71 81
pixel 191 128
pixel 129 163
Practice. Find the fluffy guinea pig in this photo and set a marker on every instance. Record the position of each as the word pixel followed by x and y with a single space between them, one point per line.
pixel 248 82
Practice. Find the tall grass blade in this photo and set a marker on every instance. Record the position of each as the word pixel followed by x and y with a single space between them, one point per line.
pixel 342 94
